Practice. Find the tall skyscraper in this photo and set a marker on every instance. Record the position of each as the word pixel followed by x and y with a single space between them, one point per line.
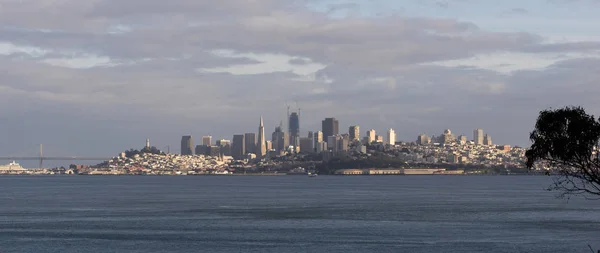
pixel 187 145
pixel 391 137
pixel 294 129
pixel 280 139
pixel 330 127
pixel 371 136
pixel 354 132
pixel 238 148
pixel 207 140
pixel 250 141
pixel 478 136
pixel 261 147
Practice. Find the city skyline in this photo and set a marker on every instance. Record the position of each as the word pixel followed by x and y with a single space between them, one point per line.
pixel 92 78
pixel 249 143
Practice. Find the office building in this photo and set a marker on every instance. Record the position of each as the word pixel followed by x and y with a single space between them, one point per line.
pixel 423 139
pixel 224 147
pixel 306 145
pixel 318 137
pixel 478 136
pixel 391 137
pixel 261 147
pixel 238 147
pixel 354 133
pixel 371 136
pixel 250 141
pixel 280 140
pixel 330 127
pixel 487 140
pixel 207 140
pixel 294 129
pixel 187 145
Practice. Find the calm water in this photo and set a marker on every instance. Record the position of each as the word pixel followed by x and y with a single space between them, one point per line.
pixel 292 214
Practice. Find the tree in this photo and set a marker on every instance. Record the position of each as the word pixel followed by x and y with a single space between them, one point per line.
pixel 565 140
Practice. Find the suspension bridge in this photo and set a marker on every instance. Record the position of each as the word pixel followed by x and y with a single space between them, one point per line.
pixel 41 158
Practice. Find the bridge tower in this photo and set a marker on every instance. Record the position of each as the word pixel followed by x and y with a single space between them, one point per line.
pixel 41 156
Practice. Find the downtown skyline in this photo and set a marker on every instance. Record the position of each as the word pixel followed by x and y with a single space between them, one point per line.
pixel 329 124
pixel 96 77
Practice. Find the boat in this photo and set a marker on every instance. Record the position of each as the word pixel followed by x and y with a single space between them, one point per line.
pixel 312 174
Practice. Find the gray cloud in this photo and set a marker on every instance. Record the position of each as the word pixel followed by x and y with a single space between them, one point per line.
pixel 152 84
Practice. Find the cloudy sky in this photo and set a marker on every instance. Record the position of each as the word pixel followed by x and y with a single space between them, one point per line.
pixel 95 77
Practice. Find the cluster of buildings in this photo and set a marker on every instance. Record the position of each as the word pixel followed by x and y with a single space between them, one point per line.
pixel 445 148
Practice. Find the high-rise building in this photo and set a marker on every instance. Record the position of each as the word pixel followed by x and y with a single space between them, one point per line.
pixel 280 140
pixel 317 137
pixel 238 147
pixel 487 140
pixel 306 145
pixel 391 137
pixel 261 147
pixel 250 141
pixel 202 150
pixel 448 137
pixel 354 132
pixel 330 127
pixel 224 147
pixel 269 145
pixel 371 136
pixel 423 139
pixel 294 129
pixel 478 136
pixel 311 136
pixel 207 140
pixel 379 138
pixel 187 145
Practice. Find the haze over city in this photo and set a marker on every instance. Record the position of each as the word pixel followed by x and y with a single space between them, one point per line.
pixel 99 77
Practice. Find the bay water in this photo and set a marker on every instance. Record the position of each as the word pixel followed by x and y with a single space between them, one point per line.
pixel 292 214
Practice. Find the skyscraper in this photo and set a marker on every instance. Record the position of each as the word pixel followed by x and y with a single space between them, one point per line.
pixel 261 147
pixel 391 137
pixel 207 140
pixel 280 140
pixel 330 127
pixel 354 132
pixel 371 136
pixel 250 140
pixel 238 148
pixel 478 136
pixel 317 137
pixel 187 145
pixel 294 129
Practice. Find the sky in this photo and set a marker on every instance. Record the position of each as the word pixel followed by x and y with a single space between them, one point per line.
pixel 96 77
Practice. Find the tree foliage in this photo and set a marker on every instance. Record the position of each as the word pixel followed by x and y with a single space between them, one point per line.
pixel 565 140
pixel 152 150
